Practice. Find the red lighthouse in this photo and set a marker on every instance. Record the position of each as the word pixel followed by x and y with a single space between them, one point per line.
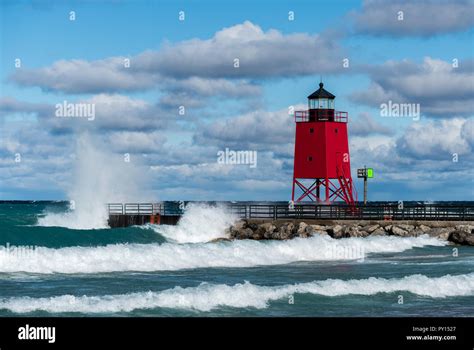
pixel 322 152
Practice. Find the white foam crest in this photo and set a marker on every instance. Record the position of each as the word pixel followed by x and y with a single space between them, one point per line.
pixel 199 223
pixel 96 219
pixel 171 256
pixel 207 297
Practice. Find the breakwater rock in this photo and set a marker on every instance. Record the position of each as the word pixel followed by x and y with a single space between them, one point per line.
pixel 456 232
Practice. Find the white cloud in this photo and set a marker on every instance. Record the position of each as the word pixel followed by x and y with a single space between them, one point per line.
pixel 260 54
pixel 196 66
pixel 11 105
pixel 441 89
pixel 435 140
pixel 212 87
pixel 113 112
pixel 365 125
pixel 136 141
pixel 260 129
pixel 420 18
pixel 79 76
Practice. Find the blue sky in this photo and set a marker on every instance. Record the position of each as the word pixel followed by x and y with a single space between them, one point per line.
pixel 190 63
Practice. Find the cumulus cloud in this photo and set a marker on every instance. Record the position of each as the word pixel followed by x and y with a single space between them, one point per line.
pixel 136 141
pixel 467 132
pixel 437 141
pixel 212 87
pixel 258 128
pixel 113 112
pixel 365 125
pixel 81 76
pixel 200 67
pixel 210 180
pixel 10 106
pixel 193 92
pixel 260 54
pixel 121 112
pixel 423 147
pixel 439 87
pixel 419 163
pixel 128 124
pixel 420 18
pixel 44 160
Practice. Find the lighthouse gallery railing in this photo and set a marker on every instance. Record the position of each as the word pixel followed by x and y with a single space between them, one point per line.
pixel 322 115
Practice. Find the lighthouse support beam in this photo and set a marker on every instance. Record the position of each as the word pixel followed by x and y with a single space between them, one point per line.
pixel 332 191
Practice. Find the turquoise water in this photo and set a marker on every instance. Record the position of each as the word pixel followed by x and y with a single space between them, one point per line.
pixel 176 271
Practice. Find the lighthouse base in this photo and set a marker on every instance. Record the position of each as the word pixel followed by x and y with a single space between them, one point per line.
pixel 324 190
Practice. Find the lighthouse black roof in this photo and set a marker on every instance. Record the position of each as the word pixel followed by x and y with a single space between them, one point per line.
pixel 321 93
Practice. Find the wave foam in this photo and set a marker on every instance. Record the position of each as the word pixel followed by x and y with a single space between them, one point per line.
pixel 170 256
pixel 200 223
pixel 86 218
pixel 207 297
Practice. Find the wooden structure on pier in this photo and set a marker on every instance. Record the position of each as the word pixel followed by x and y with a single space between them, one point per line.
pixel 130 214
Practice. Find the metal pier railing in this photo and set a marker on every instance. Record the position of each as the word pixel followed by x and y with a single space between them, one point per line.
pixel 282 210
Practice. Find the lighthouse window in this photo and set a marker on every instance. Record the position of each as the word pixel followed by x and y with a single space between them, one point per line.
pixel 323 103
pixel 310 158
pixel 311 130
pixel 335 130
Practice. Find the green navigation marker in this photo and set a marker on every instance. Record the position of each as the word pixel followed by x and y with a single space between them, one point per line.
pixel 370 173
